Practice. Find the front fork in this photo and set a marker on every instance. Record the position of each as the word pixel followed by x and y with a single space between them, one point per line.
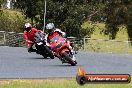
pixel 71 54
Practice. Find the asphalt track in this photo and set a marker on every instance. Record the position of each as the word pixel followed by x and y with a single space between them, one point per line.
pixel 16 62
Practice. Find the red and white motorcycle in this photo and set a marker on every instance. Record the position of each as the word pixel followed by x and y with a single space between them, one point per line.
pixel 62 49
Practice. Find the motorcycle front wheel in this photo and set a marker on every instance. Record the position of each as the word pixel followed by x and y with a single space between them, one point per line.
pixel 68 58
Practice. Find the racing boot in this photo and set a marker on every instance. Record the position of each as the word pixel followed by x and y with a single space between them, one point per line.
pixel 30 49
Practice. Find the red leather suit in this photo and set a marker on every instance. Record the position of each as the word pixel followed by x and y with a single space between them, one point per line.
pixel 29 36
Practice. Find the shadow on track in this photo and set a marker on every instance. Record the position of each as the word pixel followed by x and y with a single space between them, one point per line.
pixel 40 58
pixel 65 65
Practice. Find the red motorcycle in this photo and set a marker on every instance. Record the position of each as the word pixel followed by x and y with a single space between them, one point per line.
pixel 60 47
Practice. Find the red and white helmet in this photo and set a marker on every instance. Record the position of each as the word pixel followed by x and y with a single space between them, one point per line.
pixel 27 27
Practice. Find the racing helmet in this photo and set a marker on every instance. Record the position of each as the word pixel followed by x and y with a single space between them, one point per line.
pixel 28 27
pixel 50 26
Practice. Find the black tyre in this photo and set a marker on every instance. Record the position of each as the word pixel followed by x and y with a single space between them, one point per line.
pixel 49 53
pixel 67 57
pixel 81 80
pixel 45 56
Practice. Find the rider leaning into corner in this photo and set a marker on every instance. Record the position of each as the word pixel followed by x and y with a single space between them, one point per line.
pixel 51 29
pixel 29 35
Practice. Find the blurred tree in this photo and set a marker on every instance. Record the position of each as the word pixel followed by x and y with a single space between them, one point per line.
pixel 118 12
pixel 67 15
pixel 11 21
pixel 2 2
pixel 70 14
pixel 29 8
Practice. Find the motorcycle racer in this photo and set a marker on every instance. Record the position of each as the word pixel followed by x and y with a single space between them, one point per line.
pixel 29 34
pixel 52 30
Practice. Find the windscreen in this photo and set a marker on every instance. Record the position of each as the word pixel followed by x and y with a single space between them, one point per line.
pixel 54 39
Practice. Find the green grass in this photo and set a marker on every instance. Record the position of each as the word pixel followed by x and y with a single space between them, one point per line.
pixel 108 46
pixel 56 83
pixel 117 46
pixel 99 27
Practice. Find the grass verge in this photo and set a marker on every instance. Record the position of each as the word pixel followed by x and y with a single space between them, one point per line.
pixel 100 42
pixel 56 83
pixel 108 46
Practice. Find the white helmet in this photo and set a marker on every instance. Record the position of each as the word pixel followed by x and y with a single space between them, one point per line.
pixel 50 26
pixel 27 26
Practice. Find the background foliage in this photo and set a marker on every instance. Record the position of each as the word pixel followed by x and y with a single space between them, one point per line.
pixel 69 15
pixel 11 21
